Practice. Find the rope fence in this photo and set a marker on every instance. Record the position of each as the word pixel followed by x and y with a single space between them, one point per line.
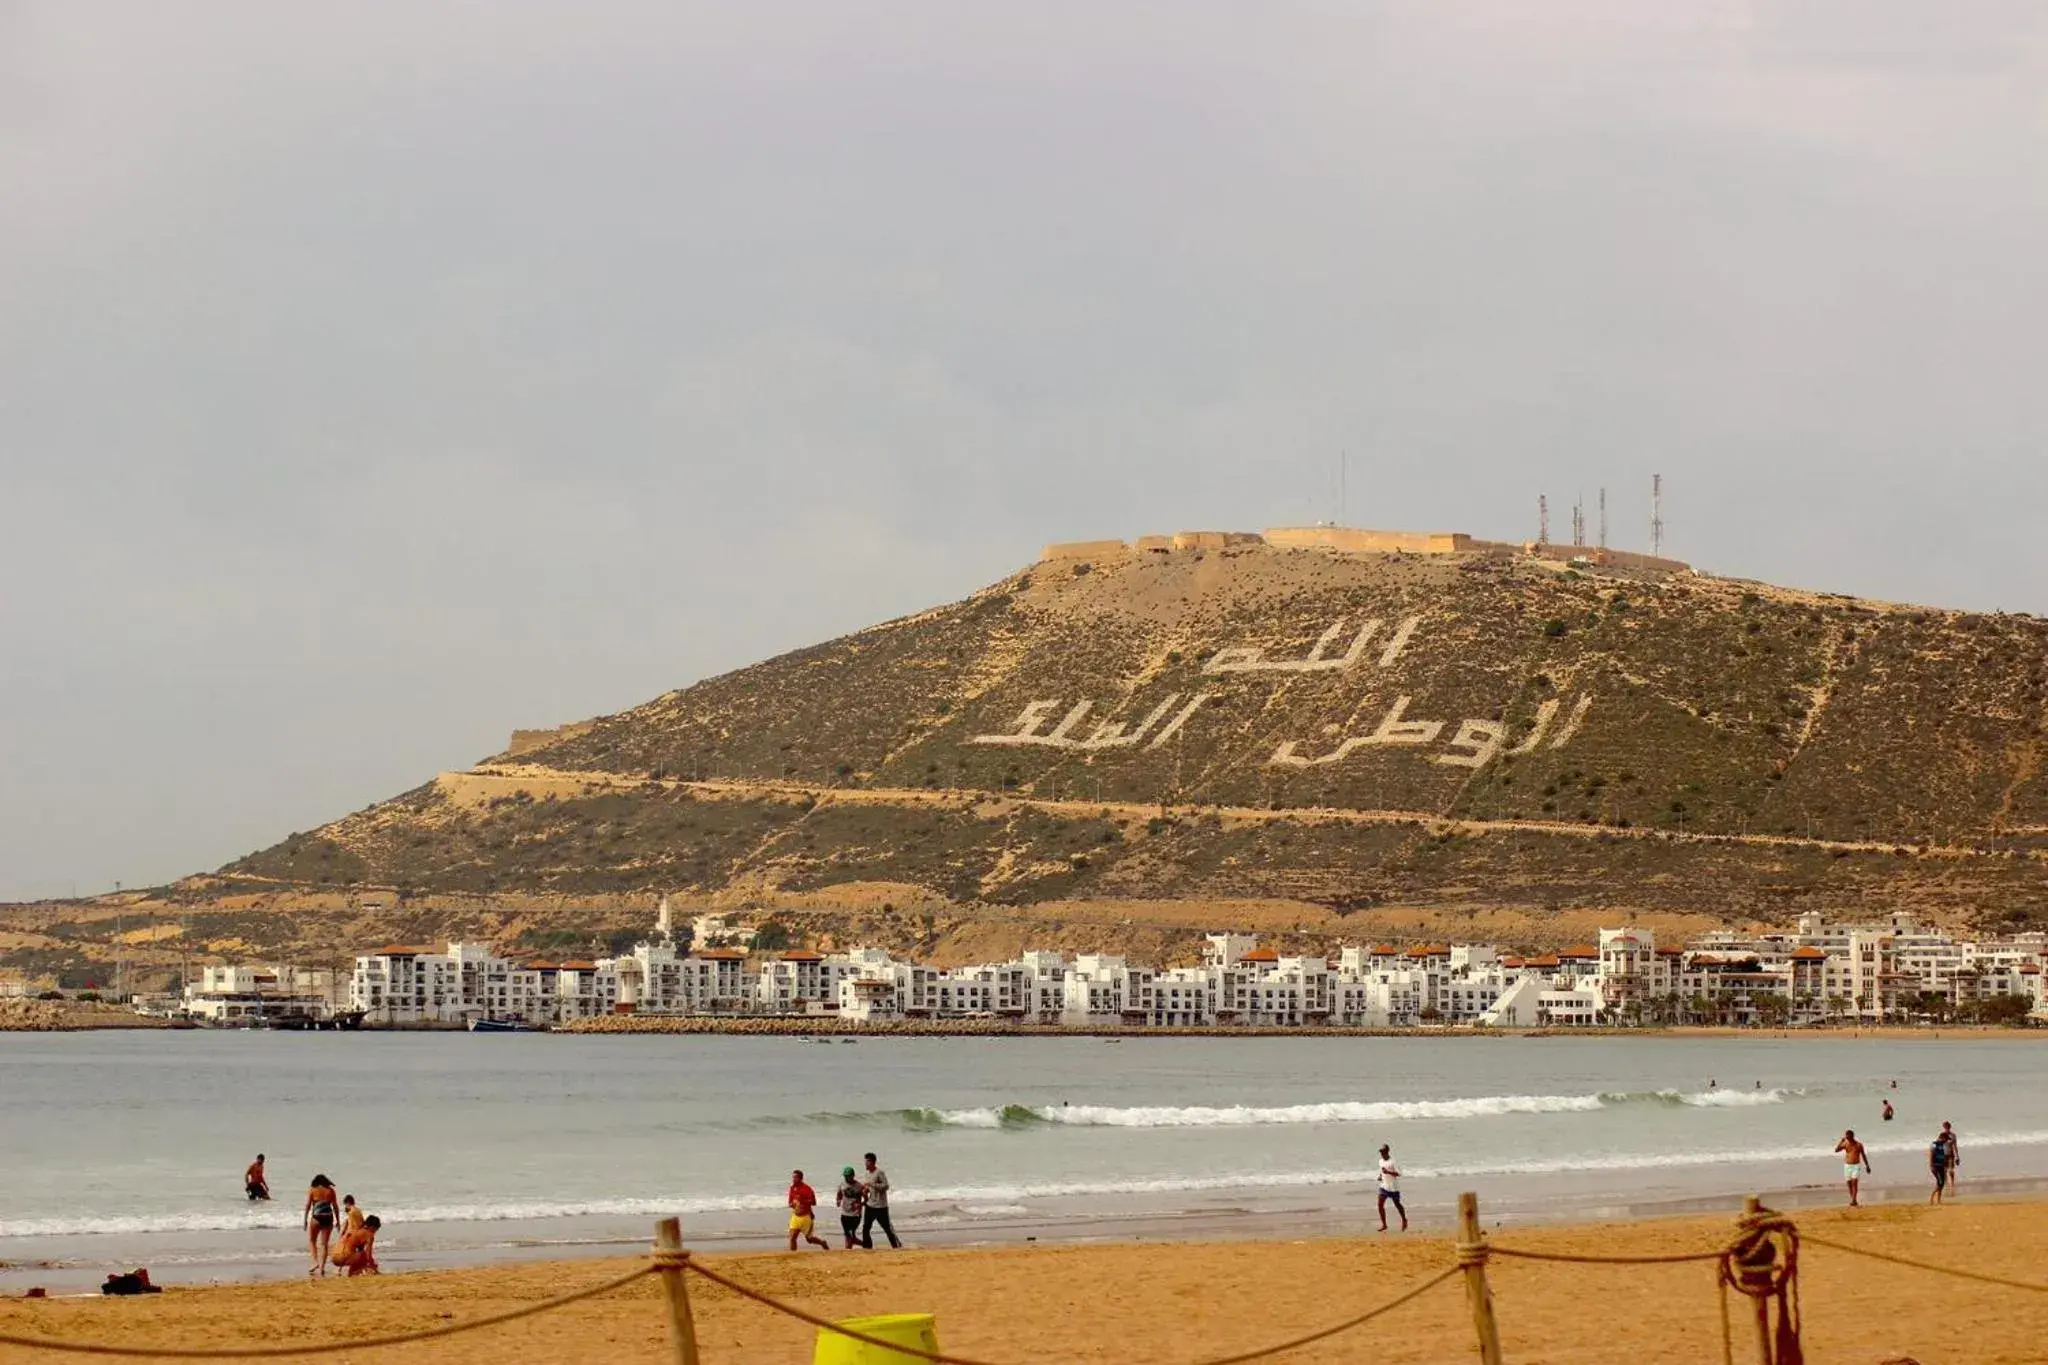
pixel 1760 1264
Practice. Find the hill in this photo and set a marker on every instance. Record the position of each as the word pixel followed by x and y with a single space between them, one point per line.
pixel 1303 731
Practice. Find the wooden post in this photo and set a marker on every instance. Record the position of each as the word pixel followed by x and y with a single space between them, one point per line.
pixel 1751 1207
pixel 682 1333
pixel 1472 1256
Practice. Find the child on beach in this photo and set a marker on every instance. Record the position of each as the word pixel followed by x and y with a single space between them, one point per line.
pixel 802 1200
pixel 356 1252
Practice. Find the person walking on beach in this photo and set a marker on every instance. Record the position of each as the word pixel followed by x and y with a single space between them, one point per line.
pixel 1937 1166
pixel 1955 1156
pixel 803 1203
pixel 875 1206
pixel 318 1219
pixel 253 1181
pixel 851 1200
pixel 1390 1188
pixel 1855 1164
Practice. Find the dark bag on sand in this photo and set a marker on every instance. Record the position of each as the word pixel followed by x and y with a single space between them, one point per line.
pixel 131 1282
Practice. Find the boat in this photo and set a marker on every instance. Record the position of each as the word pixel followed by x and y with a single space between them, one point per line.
pixel 501 1026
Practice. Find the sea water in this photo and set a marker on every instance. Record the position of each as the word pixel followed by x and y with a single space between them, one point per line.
pixel 127 1149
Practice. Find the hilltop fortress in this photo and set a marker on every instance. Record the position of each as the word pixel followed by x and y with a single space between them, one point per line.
pixel 1357 540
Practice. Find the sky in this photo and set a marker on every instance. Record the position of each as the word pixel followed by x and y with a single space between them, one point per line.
pixel 375 379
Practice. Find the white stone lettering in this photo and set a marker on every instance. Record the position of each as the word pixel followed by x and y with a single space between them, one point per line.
pixel 1106 734
pixel 1393 729
pixel 1480 740
pixel 1571 727
pixel 1252 658
pixel 1475 743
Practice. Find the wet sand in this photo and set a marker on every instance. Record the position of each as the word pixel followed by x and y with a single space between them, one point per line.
pixel 1175 1301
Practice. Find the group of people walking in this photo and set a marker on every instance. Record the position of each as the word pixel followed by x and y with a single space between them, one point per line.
pixel 355 1253
pixel 862 1200
pixel 1944 1158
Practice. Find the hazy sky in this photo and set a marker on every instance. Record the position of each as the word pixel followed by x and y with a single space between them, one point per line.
pixel 377 378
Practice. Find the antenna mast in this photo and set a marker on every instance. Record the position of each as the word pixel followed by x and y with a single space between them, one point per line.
pixel 1603 518
pixel 1579 522
pixel 1657 515
pixel 1542 519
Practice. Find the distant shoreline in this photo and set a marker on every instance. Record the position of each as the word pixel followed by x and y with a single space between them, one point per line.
pixel 95 1020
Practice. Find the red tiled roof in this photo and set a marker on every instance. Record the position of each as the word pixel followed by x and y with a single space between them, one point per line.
pixel 1580 950
pixel 400 950
pixel 1261 955
pixel 721 954
pixel 803 957
pixel 1808 954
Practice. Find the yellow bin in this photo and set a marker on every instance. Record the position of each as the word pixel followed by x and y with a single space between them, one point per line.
pixel 905 1329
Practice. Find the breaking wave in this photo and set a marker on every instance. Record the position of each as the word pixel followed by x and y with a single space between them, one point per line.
pixel 1014 1116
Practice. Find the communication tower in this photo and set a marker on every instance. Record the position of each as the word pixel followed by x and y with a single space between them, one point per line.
pixel 1542 519
pixel 1578 522
pixel 1603 518
pixel 1657 515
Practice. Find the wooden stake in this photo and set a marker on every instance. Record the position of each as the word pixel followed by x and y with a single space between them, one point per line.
pixel 1472 1256
pixel 1751 1207
pixel 682 1333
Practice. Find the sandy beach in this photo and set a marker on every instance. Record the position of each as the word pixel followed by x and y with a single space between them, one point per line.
pixel 1168 1302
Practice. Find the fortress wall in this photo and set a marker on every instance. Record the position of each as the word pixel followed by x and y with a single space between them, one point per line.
pixel 1085 549
pixel 1213 540
pixel 525 741
pixel 1357 540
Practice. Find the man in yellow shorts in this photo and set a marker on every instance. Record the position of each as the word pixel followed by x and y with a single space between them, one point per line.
pixel 802 1200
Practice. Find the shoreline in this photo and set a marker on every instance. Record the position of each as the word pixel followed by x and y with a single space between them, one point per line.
pixel 1123 1300
pixel 834 1029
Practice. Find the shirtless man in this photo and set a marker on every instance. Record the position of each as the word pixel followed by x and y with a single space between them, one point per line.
pixel 253 1180
pixel 1855 1163
pixel 1955 1155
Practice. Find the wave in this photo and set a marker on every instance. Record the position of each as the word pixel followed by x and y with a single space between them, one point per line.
pixel 1004 1199
pixel 1015 1116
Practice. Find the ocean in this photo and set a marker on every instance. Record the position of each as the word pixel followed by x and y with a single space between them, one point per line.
pixel 126 1149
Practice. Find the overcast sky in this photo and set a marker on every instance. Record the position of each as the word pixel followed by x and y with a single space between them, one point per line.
pixel 377 378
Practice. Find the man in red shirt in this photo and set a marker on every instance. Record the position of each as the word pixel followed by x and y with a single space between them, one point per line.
pixel 803 1199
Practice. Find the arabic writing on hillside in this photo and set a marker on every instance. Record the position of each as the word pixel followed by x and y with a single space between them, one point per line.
pixel 1252 659
pixel 1474 744
pixel 1107 734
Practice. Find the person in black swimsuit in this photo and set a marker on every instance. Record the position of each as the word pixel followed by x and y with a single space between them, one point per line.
pixel 323 1206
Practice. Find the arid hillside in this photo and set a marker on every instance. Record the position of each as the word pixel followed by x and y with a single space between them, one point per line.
pixel 1252 722
pixel 1337 734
